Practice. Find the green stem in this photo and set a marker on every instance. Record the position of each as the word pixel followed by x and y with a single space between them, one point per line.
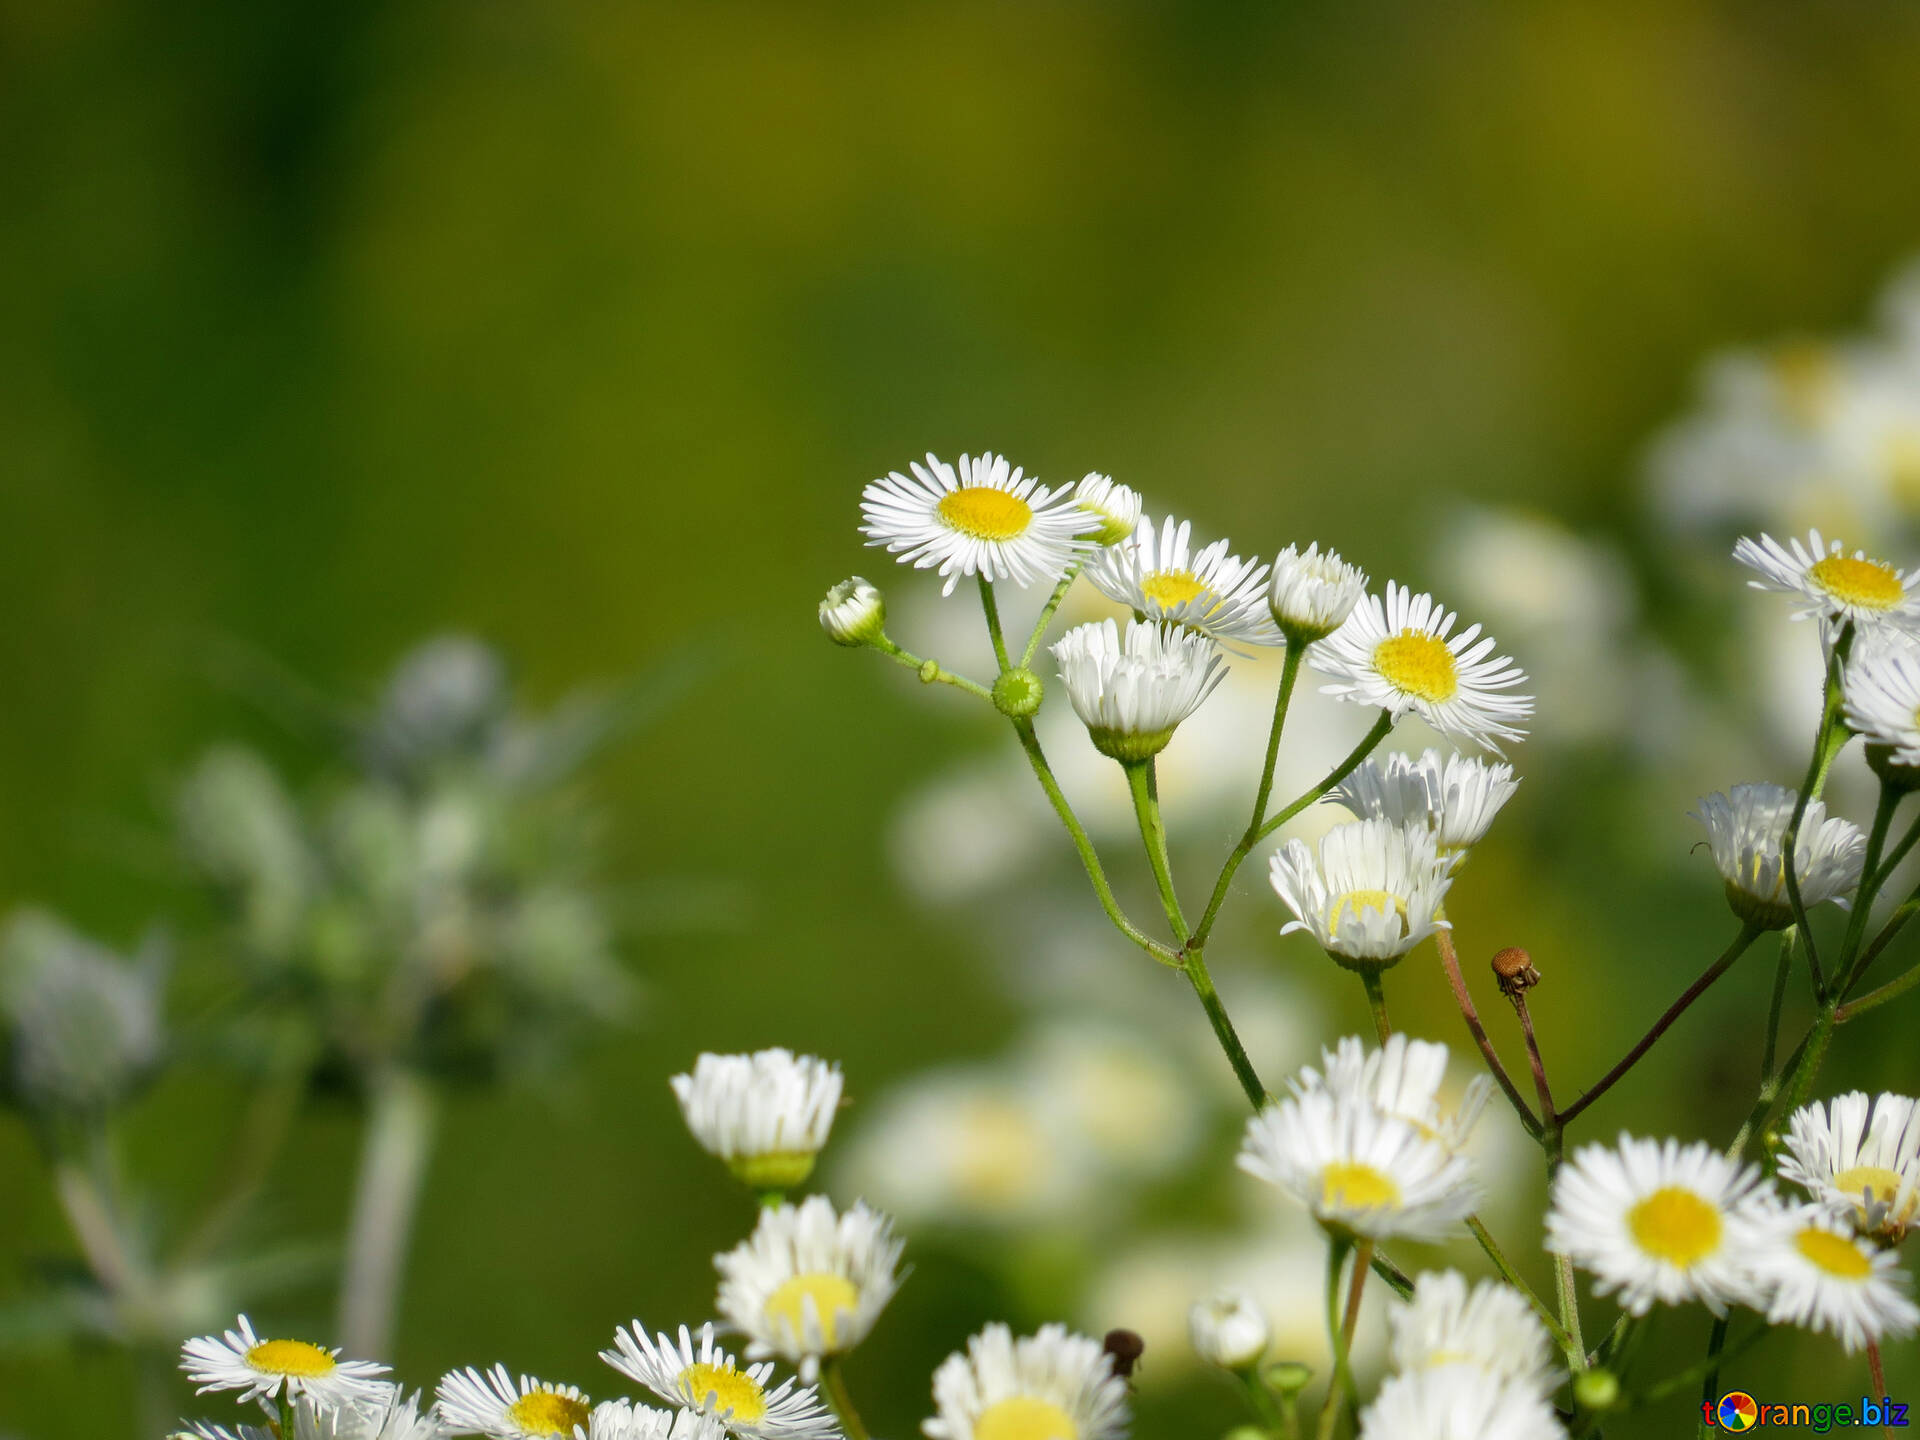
pixel 931 672
pixel 1827 742
pixel 1781 973
pixel 1680 1380
pixel 833 1384
pixel 1153 835
pixel 1897 854
pixel 1873 999
pixel 1566 1292
pixel 1046 615
pixel 1194 963
pixel 1512 1276
pixel 992 608
pixel 1089 857
pixel 1282 700
pixel 1260 832
pixel 1377 1002
pixel 1342 1374
pixel 401 1113
pixel 1863 898
pixel 1710 1381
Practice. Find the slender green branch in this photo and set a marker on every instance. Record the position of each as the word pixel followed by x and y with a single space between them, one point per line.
pixel 1873 999
pixel 1282 701
pixel 931 672
pixel 1710 1380
pixel 1194 963
pixel 1377 1003
pixel 1782 971
pixel 1046 615
pixel 1863 897
pixel 1680 1380
pixel 992 608
pixel 1153 835
pixel 1512 1276
pixel 1827 742
pixel 1898 853
pixel 833 1384
pixel 1341 1378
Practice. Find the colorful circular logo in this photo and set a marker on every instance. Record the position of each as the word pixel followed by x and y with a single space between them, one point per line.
pixel 1738 1411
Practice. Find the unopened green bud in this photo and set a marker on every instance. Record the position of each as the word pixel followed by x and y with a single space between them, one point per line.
pixel 854 613
pixel 1017 694
pixel 1596 1390
pixel 1287 1377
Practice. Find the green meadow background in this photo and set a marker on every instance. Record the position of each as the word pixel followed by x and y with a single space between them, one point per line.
pixel 324 327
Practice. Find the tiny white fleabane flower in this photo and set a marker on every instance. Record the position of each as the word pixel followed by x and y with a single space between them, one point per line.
pixel 1370 893
pixel 264 1369
pixel 854 612
pixel 472 1402
pixel 1053 1385
pixel 1358 1170
pixel 1881 691
pixel 988 519
pixel 1838 587
pixel 1456 1403
pixel 1132 694
pixel 1659 1221
pixel 767 1114
pixel 704 1377
pixel 1455 796
pixel 396 1418
pixel 1402 1078
pixel 1746 828
pixel 1229 1329
pixel 624 1420
pixel 1158 576
pixel 1820 1276
pixel 809 1283
pixel 1489 1326
pixel 1401 655
pixel 1115 506
pixel 1859 1160
pixel 1312 592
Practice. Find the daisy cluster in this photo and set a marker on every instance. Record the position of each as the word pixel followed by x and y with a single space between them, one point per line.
pixel 803 1289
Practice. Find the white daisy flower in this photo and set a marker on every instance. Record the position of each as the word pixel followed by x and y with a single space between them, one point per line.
pixel 396 1418
pixel 1157 577
pixel 1746 828
pixel 472 1403
pixel 1311 593
pixel 1403 1079
pixel 1131 695
pixel 624 1420
pixel 987 520
pixel 854 612
pixel 1821 1276
pixel 1456 1403
pixel 767 1114
pixel 809 1283
pixel 241 1360
pixel 1358 1170
pixel 1116 507
pixel 1859 1160
pixel 706 1378
pixel 1369 895
pixel 1050 1386
pixel 1489 1327
pixel 1659 1221
pixel 1400 654
pixel 1881 690
pixel 1836 586
pixel 1229 1329
pixel 1456 796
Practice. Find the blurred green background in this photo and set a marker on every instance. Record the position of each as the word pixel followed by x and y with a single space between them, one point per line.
pixel 580 326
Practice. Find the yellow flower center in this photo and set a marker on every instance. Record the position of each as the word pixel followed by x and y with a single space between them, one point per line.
pixel 1883 1182
pixel 1419 665
pixel 830 1294
pixel 1024 1417
pixel 1866 583
pixel 725 1391
pixel 1350 1185
pixel 998 1153
pixel 1354 901
pixel 543 1412
pixel 1171 589
pixel 1835 1254
pixel 1675 1225
pixel 290 1357
pixel 985 513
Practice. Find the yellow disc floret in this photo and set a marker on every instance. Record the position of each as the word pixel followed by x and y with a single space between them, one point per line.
pixel 546 1412
pixel 291 1357
pixel 1024 1417
pixel 1355 901
pixel 985 512
pixel 1864 583
pixel 1171 589
pixel 1835 1254
pixel 724 1391
pixel 1350 1185
pixel 1675 1225
pixel 831 1294
pixel 1418 664
pixel 1884 1184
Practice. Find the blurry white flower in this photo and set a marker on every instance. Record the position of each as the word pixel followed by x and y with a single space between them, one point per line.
pixel 988 520
pixel 1490 1327
pixel 1229 1329
pixel 240 1360
pixel 1402 1078
pixel 1457 1403
pixel 1370 893
pixel 1746 828
pixel 1455 797
pixel 854 612
pixel 809 1283
pixel 1131 695
pixel 1116 507
pixel 1053 1385
pixel 1820 1276
pixel 85 1024
pixel 395 1418
pixel 1837 587
pixel 766 1114
pixel 1859 1159
pixel 624 1420
pixel 493 1403
pixel 705 1378
pixel 1401 655
pixel 1209 591
pixel 1311 594
pixel 1881 688
pixel 1130 1107
pixel 447 700
pixel 1658 1221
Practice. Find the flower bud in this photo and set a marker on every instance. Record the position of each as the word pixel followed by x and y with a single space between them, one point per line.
pixel 86 1025
pixel 854 613
pixel 1229 1329
pixel 1017 694
pixel 1116 507
pixel 1596 1390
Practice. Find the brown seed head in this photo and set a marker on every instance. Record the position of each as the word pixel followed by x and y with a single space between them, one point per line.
pixel 1513 968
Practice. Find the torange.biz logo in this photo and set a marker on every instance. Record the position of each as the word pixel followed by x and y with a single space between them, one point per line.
pixel 1740 1411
